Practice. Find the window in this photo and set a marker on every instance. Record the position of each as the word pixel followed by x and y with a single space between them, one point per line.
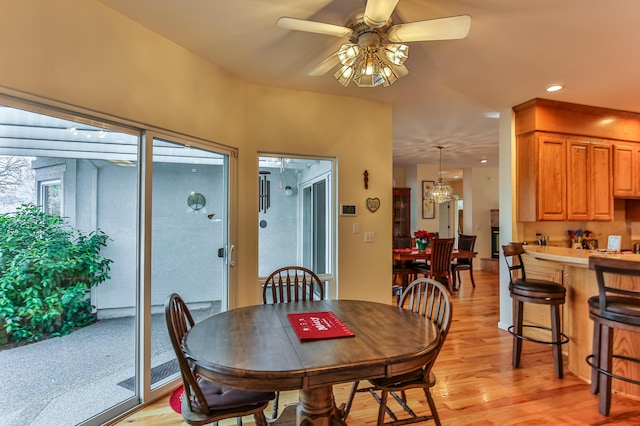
pixel 50 197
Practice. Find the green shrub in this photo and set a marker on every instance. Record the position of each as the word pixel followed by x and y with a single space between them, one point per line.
pixel 46 268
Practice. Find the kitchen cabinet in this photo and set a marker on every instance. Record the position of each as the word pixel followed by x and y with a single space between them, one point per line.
pixel 626 173
pixel 563 178
pixel 589 190
pixel 541 170
pixel 401 212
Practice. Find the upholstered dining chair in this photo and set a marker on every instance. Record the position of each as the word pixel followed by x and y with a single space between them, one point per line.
pixel 465 242
pixel 205 401
pixel 439 266
pixel 429 298
pixel 291 284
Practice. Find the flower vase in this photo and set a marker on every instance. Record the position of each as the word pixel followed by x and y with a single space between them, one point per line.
pixel 421 245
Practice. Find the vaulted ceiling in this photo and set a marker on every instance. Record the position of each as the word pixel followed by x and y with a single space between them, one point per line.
pixel 514 50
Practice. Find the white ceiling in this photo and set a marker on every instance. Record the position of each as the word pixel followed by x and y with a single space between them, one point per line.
pixel 515 49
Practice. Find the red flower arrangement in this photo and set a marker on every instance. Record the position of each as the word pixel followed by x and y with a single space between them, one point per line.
pixel 422 236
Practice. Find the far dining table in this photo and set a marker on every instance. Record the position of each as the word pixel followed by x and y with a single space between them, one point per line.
pixel 412 255
pixel 256 348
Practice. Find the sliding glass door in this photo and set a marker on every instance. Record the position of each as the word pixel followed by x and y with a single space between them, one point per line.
pixel 189 239
pixel 99 223
pixel 68 285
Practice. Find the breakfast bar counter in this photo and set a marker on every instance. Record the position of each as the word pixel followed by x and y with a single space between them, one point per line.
pixel 570 267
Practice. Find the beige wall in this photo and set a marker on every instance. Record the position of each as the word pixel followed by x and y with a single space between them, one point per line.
pixel 85 54
pixel 307 124
pixel 479 190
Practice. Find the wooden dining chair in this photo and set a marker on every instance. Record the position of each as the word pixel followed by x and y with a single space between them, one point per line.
pixel 291 284
pixel 429 298
pixel 439 265
pixel 403 271
pixel 465 242
pixel 205 401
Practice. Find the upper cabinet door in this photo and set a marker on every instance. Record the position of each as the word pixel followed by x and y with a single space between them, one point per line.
pixel 589 195
pixel 551 177
pixel 577 180
pixel 624 185
pixel 600 191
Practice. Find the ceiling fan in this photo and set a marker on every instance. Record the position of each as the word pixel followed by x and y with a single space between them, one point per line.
pixel 375 53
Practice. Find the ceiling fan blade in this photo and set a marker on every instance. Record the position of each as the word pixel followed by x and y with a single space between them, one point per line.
pixel 325 66
pixel 313 27
pixel 378 12
pixel 454 27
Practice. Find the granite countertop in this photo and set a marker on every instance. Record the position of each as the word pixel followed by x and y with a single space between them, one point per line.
pixel 575 256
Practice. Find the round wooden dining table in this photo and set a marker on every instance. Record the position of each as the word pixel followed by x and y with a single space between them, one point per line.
pixel 256 348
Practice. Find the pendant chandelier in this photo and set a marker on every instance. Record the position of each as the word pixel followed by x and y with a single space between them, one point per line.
pixel 441 192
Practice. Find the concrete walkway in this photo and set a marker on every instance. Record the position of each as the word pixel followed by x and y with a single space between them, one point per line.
pixel 66 380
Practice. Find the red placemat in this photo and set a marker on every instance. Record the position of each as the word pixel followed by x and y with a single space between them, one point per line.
pixel 318 325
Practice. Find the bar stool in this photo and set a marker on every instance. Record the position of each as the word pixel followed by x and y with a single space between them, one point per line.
pixel 541 292
pixel 616 307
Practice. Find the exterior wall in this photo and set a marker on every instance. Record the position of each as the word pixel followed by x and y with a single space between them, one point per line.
pixel 278 240
pixel 115 192
pixel 106 199
pixel 87 55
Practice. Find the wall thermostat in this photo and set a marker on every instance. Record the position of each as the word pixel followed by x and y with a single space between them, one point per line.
pixel 348 210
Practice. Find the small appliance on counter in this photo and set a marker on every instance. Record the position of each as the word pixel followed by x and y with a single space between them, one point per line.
pixel 613 243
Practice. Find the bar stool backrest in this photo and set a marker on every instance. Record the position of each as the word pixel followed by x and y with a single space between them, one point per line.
pixel 513 251
pixel 611 286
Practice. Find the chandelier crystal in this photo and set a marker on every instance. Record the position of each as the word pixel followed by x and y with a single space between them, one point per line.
pixel 441 192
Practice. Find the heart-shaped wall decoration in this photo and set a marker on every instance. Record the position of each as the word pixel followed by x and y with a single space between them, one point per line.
pixel 373 204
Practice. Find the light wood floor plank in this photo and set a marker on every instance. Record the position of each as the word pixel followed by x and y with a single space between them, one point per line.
pixel 476 383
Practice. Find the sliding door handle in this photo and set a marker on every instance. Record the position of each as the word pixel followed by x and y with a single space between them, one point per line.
pixel 230 259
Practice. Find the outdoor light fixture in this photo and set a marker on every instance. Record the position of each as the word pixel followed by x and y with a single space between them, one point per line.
pixel 288 191
pixel 441 192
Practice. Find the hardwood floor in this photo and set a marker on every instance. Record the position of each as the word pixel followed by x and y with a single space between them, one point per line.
pixel 476 384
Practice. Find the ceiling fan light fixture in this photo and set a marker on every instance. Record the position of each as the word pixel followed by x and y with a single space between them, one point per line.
pixel 397 54
pixel 344 75
pixel 390 74
pixel 371 70
pixel 376 53
pixel 348 53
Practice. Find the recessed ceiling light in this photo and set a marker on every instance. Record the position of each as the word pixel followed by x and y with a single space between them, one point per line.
pixel 491 114
pixel 484 160
pixel 555 88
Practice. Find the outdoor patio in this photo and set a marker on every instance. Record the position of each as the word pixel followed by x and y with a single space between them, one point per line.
pixel 65 380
